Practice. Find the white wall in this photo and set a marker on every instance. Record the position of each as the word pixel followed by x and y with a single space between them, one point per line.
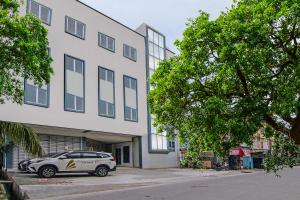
pixel 88 50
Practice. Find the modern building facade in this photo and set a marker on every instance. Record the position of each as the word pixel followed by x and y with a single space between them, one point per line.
pixel 96 99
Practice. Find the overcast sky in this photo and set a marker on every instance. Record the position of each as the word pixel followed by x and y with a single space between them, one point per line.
pixel 167 16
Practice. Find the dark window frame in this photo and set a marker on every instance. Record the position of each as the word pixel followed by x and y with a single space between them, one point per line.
pixel 124 99
pixel 99 42
pixel 99 114
pixel 28 11
pixel 74 34
pixel 128 57
pixel 65 84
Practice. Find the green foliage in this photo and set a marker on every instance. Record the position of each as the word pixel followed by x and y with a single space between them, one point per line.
pixel 283 154
pixel 233 75
pixel 23 50
pixel 24 55
pixel 21 135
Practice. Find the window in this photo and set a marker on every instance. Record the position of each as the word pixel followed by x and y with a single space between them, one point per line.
pixel 171 145
pixel 36 95
pixel 156 50
pixel 159 140
pixel 130 99
pixel 74 84
pixel 126 154
pixel 104 156
pixel 106 42
pixel 89 155
pixel 75 27
pixel 106 92
pixel 73 155
pixel 129 52
pixel 40 11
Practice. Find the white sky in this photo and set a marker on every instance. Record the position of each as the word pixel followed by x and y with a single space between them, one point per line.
pixel 167 16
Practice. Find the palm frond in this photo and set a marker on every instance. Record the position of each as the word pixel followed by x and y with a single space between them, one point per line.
pixel 22 135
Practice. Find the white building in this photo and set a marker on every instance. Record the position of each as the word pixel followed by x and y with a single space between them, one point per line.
pixel 96 99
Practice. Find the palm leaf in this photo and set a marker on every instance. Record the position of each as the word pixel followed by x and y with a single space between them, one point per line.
pixel 22 135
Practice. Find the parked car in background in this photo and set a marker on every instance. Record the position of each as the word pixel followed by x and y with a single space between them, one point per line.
pixel 23 164
pixel 94 163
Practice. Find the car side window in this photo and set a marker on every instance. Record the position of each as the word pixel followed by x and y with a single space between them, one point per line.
pixel 104 156
pixel 73 155
pixel 89 155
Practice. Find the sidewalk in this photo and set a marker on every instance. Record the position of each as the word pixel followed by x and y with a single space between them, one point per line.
pixel 124 178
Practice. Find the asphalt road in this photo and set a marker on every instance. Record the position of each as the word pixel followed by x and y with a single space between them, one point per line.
pixel 254 186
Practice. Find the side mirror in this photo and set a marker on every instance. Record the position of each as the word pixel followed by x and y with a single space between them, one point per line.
pixel 62 157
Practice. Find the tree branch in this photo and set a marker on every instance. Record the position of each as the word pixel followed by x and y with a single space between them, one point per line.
pixel 243 81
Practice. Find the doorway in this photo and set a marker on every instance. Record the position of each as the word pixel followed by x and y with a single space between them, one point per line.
pixel 118 156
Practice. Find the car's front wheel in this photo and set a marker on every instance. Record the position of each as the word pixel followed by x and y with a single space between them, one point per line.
pixel 47 172
pixel 101 171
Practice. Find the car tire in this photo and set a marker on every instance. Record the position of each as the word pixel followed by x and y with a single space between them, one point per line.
pixel 47 172
pixel 101 171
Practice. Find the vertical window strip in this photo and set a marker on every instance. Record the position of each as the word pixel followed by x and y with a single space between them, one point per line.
pixel 108 76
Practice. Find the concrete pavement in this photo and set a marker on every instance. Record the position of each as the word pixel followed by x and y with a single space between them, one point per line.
pixel 253 186
pixel 67 186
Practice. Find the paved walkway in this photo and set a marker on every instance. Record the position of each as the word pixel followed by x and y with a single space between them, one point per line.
pixel 67 185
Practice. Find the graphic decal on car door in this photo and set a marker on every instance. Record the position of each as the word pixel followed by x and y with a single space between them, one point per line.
pixel 71 165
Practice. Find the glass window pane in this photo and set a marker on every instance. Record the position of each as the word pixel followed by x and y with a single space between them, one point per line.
pixel 156 51
pixel 154 141
pixel 42 96
pixel 127 51
pixel 156 63
pixel 110 109
pixel 70 101
pixel 151 72
pixel 165 143
pixel 30 93
pixel 150 35
pixel 71 25
pixel 79 66
pixel 34 8
pixel 133 84
pixel 79 103
pixel 102 107
pixel 110 44
pixel 73 155
pixel 151 49
pixel 102 74
pixel 109 76
pixel 159 142
pixel 155 38
pixel 161 41
pixel 127 113
pixel 161 53
pixel 151 62
pixel 45 14
pixel 134 114
pixel 127 82
pixel 133 53
pixel 69 63
pixel 89 155
pixel 103 39
pixel 80 29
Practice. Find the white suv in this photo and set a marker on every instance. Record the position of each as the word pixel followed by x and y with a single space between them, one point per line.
pixel 98 163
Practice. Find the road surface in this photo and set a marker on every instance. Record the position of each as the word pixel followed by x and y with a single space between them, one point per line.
pixel 254 186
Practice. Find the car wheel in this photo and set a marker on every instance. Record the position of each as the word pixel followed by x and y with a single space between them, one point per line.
pixel 101 171
pixel 47 172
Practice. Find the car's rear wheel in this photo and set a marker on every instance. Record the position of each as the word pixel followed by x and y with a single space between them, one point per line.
pixel 47 172
pixel 102 171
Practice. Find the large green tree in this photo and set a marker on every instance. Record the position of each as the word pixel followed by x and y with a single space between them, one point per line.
pixel 235 75
pixel 24 55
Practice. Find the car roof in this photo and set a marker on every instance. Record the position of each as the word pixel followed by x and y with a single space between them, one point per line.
pixel 89 152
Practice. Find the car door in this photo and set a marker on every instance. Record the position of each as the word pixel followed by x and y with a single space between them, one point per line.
pixel 88 161
pixel 70 162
